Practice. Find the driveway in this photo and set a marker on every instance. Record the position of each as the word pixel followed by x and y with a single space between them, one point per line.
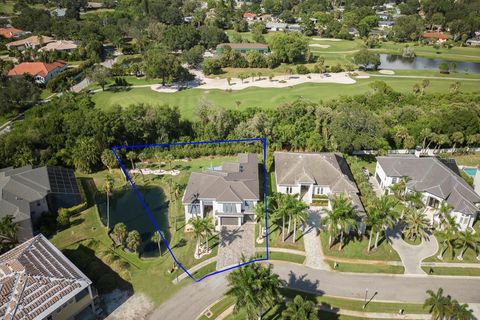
pixel 311 239
pixel 235 242
pixel 411 255
pixel 192 299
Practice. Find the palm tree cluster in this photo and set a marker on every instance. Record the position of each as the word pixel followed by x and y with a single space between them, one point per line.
pixel 130 240
pixel 381 216
pixel 285 207
pixel 300 309
pixel 203 228
pixel 255 288
pixel 445 308
pixel 340 220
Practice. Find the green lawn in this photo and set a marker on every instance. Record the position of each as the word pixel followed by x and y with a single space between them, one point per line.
pixel 366 268
pixel 275 238
pixel 295 258
pixel 188 100
pixel 471 160
pixel 357 249
pixel 446 271
pixel 219 307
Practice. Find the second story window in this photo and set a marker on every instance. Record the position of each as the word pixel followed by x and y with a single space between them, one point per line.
pixel 229 208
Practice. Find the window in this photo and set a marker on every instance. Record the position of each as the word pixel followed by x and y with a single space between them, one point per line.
pixel 289 190
pixel 229 208
pixel 194 208
pixel 394 180
pixel 318 190
pixel 248 205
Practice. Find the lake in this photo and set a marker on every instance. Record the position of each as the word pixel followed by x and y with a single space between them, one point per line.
pixel 392 61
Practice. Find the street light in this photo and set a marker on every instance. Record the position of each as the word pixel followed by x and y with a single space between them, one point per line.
pixel 365 299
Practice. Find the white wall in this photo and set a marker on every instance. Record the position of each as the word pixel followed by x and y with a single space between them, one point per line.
pixel 283 189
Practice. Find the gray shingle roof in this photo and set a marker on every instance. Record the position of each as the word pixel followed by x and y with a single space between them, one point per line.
pixel 434 176
pixel 236 182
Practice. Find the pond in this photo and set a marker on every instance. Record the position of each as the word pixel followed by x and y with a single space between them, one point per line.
pixel 126 207
pixel 392 61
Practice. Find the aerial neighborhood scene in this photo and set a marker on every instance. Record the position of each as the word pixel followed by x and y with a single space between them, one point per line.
pixel 234 159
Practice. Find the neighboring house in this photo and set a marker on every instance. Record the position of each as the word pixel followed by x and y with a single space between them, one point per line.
pixel 38 282
pixel 12 33
pixel 354 32
pixel 41 71
pixel 243 47
pixel 386 24
pixel 58 12
pixel 228 193
pixel 476 180
pixel 27 193
pixel 437 180
pixel 249 16
pixel 265 17
pixel 383 15
pixel 60 45
pixel 473 42
pixel 32 42
pixel 275 26
pixel 294 27
pixel 316 178
pixel 378 33
pixel 439 37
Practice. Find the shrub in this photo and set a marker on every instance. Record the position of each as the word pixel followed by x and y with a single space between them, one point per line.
pixel 63 218
pixel 336 68
pixel 302 69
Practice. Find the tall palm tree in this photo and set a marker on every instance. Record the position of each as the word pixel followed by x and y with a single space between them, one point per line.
pixel 8 233
pixel 134 240
pixel 467 240
pixel 169 159
pixel 176 195
pixel 131 155
pixel 158 240
pixel 372 220
pixel 414 200
pixel 198 225
pixel 448 239
pixel 300 309
pixel 461 311
pixel 417 224
pixel 254 287
pixel 385 206
pixel 260 217
pixel 437 304
pixel 120 233
pixel 299 215
pixel 446 220
pixel 208 228
pixel 399 188
pixel 108 188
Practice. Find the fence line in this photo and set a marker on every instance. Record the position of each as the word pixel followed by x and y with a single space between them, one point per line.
pixel 429 152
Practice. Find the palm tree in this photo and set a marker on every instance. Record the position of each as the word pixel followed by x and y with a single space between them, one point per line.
pixel 108 159
pixel 331 221
pixel 254 287
pixel 176 195
pixel 134 240
pixel 437 304
pixel 132 156
pixel 260 217
pixel 299 215
pixel 8 233
pixel 385 206
pixel 158 240
pixel 344 214
pixel 300 309
pixel 461 311
pixel 169 159
pixel 372 220
pixel 467 240
pixel 414 200
pixel 198 225
pixel 446 220
pixel 448 239
pixel 417 225
pixel 399 188
pixel 108 188
pixel 208 228
pixel 120 233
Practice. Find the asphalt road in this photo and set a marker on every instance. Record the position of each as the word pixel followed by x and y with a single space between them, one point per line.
pixel 192 299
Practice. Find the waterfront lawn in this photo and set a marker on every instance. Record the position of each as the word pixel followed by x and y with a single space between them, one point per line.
pixel 366 268
pixel 357 249
pixel 188 100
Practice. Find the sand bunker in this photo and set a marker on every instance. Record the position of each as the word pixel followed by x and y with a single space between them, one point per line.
pixel 386 71
pixel 323 46
pixel 326 39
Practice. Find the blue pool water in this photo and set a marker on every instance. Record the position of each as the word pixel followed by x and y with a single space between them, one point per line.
pixel 470 171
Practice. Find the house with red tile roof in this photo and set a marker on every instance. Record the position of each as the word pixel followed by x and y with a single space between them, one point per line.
pixel 12 33
pixel 38 282
pixel 41 71
pixel 249 16
pixel 438 36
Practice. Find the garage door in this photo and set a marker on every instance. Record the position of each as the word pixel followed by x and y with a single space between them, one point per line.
pixel 229 221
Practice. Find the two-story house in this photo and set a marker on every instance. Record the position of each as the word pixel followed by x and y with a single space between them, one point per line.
pixel 42 72
pixel 437 180
pixel 38 282
pixel 316 178
pixel 228 193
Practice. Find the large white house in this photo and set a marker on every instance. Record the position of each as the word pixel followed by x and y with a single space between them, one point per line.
pixel 316 178
pixel 437 180
pixel 228 193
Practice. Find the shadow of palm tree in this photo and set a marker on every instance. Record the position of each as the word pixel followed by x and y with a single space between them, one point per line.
pixel 227 236
pixel 302 283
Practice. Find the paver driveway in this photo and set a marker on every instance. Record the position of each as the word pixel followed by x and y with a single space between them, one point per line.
pixel 311 239
pixel 235 241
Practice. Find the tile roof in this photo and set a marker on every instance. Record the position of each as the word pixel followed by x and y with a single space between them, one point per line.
pixel 35 279
pixel 10 32
pixel 249 15
pixel 32 41
pixel 59 45
pixel 35 68
pixel 436 35
pixel 236 182
pixel 434 176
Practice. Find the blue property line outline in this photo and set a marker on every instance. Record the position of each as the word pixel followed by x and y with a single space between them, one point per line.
pixel 145 206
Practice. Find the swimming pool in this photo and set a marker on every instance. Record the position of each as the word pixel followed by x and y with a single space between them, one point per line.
pixel 470 171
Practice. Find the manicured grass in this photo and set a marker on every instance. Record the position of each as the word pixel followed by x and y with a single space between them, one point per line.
pixel 295 258
pixel 366 268
pixel 471 160
pixel 209 268
pixel 275 238
pixel 219 307
pixel 357 249
pixel 188 100
pixel 469 257
pixel 444 271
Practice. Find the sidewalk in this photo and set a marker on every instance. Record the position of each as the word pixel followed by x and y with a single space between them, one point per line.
pixel 375 315
pixel 194 268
